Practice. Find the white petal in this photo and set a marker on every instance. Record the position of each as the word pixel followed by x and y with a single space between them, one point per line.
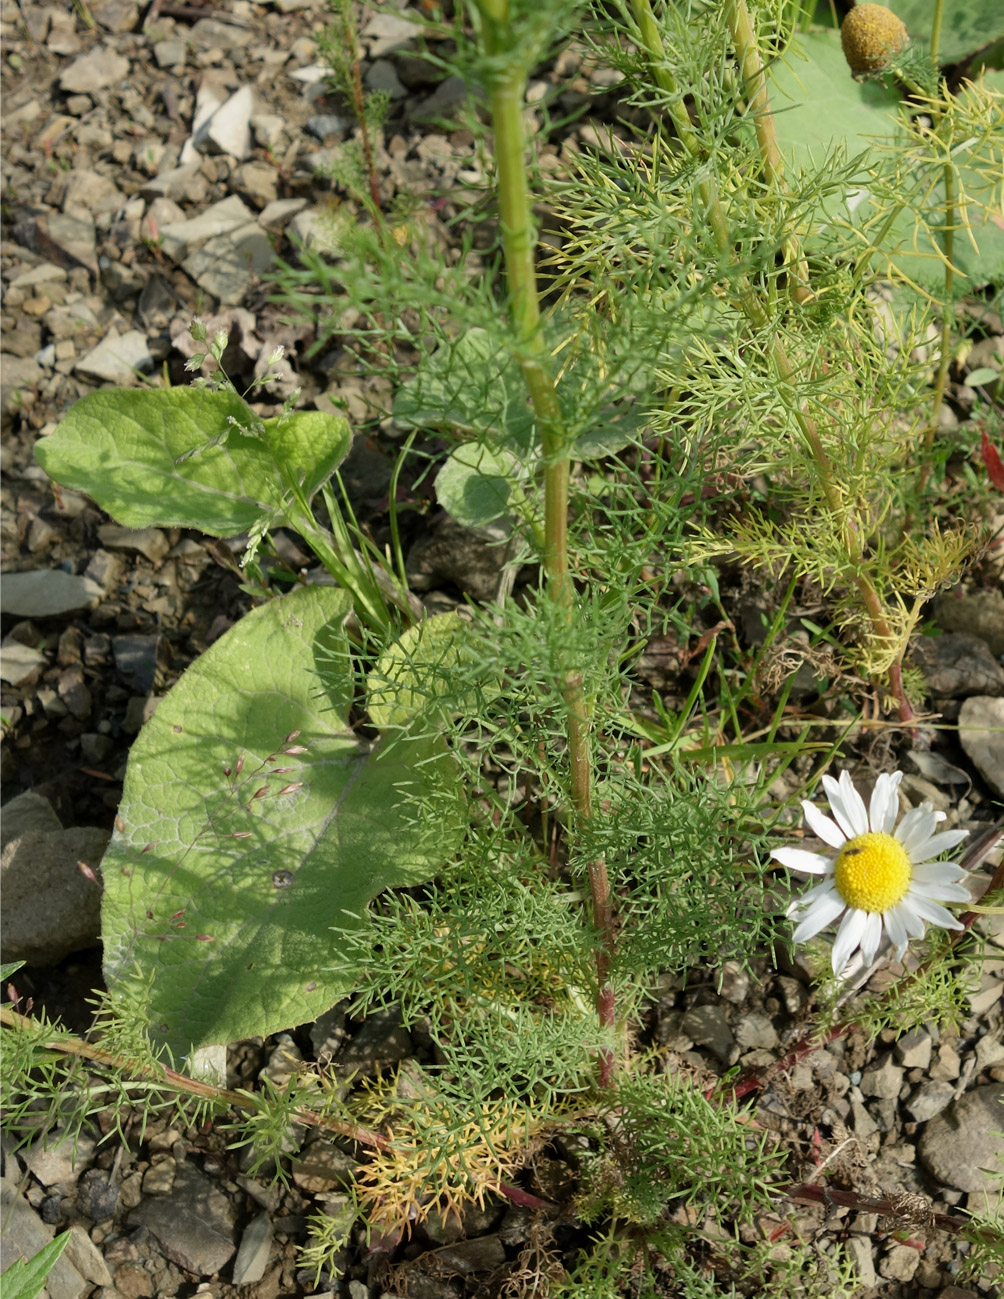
pixel 871 937
pixel 806 900
pixel 800 859
pixel 822 826
pixel 847 805
pixel 848 937
pixel 939 872
pixel 936 845
pixel 822 913
pixel 927 910
pixel 897 931
pixel 798 909
pixel 804 907
pixel 939 892
pixel 911 922
pixel 916 828
pixel 884 802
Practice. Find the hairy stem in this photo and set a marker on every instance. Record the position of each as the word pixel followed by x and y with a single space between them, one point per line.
pixel 945 342
pixel 507 98
pixel 755 86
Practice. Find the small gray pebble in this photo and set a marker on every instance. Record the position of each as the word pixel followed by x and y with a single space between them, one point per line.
pixel 96 1196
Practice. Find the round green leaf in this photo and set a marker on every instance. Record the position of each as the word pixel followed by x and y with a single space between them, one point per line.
pixel 473 485
pixel 421 674
pixel 472 385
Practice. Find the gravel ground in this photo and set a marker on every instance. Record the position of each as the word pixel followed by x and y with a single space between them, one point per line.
pixel 153 167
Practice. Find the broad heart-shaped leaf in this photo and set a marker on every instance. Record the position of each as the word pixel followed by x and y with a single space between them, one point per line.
pixel 818 105
pixel 475 484
pixel 471 385
pixel 612 434
pixel 227 936
pixel 178 457
pixel 422 675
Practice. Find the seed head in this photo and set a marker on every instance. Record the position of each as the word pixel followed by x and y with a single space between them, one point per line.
pixel 870 35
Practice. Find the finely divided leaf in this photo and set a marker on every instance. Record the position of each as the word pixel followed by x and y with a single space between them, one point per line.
pixel 471 385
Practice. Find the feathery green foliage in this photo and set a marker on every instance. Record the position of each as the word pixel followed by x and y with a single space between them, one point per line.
pixel 731 345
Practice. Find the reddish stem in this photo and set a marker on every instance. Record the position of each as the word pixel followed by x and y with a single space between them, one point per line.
pixel 240 1100
pixel 898 1207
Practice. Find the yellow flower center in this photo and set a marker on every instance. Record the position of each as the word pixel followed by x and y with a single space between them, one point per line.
pixel 872 872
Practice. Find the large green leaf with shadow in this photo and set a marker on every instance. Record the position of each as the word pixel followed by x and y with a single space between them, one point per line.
pixel 476 483
pixel 819 106
pixel 188 457
pixel 235 854
pixel 428 674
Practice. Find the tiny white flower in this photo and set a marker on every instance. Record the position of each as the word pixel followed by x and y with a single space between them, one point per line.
pixel 882 878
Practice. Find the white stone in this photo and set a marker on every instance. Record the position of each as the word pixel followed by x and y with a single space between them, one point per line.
pixel 171 184
pixel 46 593
pixel 860 1250
pixel 387 32
pixel 312 73
pixel 86 1258
pixel 913 1050
pixel 280 211
pixel 208 100
pixel 928 1099
pixel 117 358
pixel 94 71
pixel 252 1257
pixel 90 192
pixel 228 130
pixel 267 127
pixel 169 53
pixel 18 662
pixel 312 227
pixel 41 274
pixel 981 731
pixel 225 266
pixel 181 237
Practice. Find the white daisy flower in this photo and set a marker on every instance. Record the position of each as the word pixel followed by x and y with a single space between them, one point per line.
pixel 879 881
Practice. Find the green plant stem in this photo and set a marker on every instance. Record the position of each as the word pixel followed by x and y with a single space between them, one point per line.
pixel 947 320
pixel 507 93
pixel 351 38
pixel 172 1081
pixel 755 87
pixel 936 17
